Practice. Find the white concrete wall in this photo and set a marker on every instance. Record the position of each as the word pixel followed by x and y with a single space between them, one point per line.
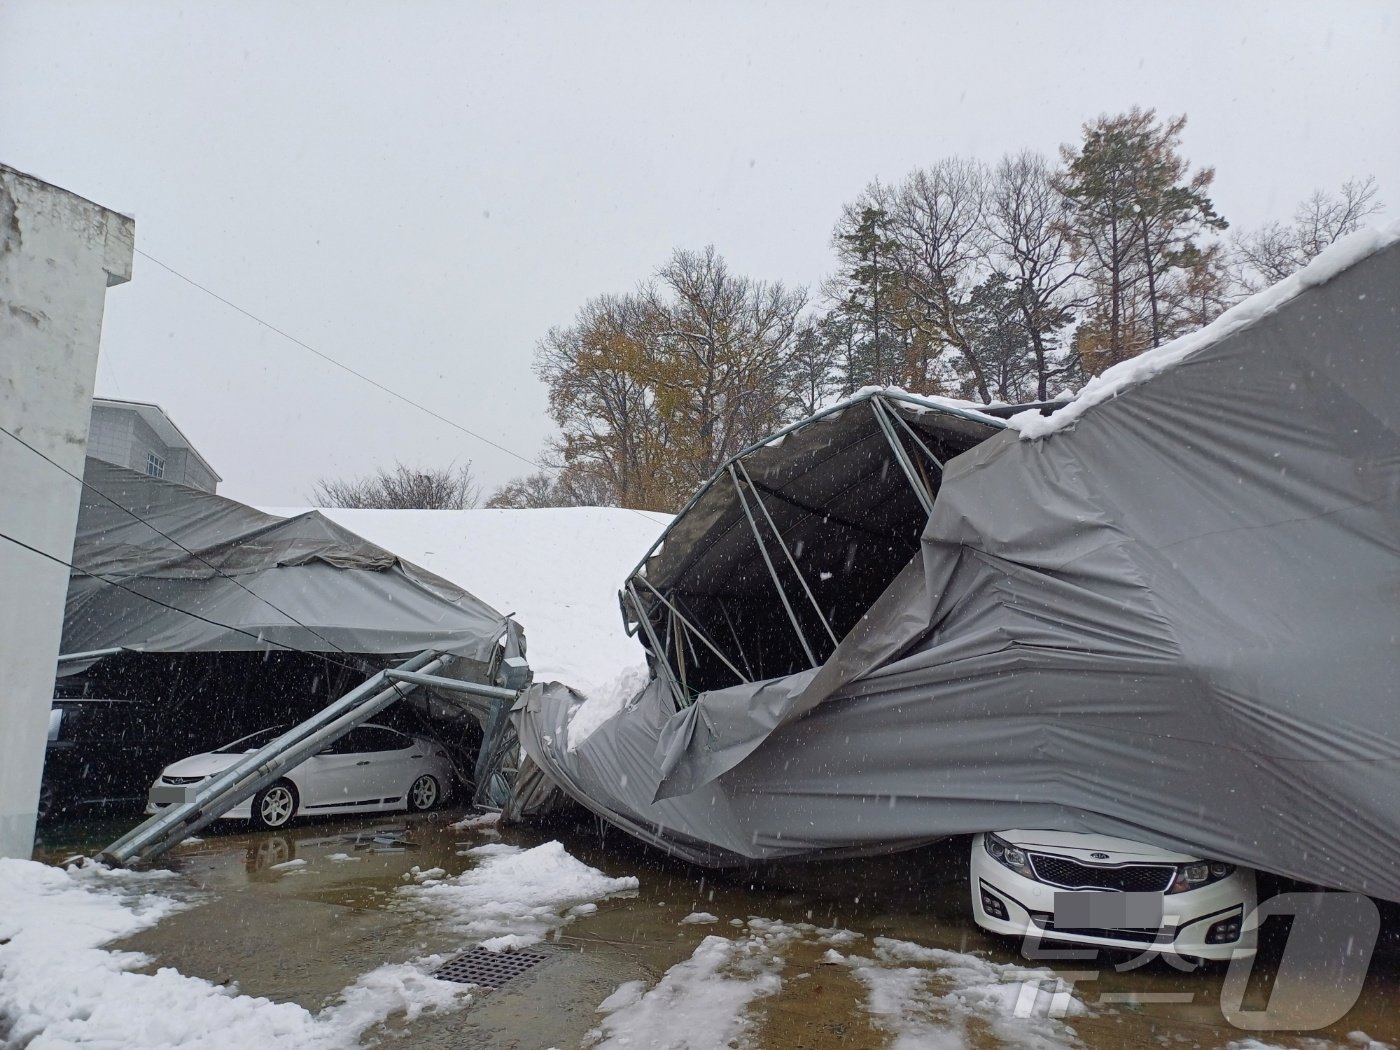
pixel 58 255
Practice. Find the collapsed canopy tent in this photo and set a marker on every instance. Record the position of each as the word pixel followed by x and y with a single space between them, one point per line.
pixel 164 568
pixel 782 552
pixel 1168 611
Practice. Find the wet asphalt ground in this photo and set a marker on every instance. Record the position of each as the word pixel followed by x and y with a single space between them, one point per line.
pixel 303 933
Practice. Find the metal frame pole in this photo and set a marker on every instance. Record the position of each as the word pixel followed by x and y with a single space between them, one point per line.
pixel 662 659
pixel 733 633
pixel 772 570
pixel 695 630
pixel 758 498
pixel 898 418
pixel 251 773
pixel 921 491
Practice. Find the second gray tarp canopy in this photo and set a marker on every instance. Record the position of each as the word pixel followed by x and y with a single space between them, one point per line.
pixel 165 568
pixel 1176 619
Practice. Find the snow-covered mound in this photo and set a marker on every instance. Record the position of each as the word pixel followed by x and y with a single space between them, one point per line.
pixel 558 571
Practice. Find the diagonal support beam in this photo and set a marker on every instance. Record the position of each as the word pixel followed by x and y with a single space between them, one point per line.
pixel 772 571
pixel 681 618
pixel 662 658
pixel 807 590
pixel 902 457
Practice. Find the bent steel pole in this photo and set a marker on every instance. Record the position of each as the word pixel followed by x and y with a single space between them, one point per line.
pixel 772 571
pixel 252 773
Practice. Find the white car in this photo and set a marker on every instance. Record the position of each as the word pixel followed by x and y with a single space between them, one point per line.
pixel 371 769
pixel 1097 891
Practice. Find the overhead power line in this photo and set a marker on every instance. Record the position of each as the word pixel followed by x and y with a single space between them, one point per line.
pixel 173 608
pixel 164 535
pixel 360 375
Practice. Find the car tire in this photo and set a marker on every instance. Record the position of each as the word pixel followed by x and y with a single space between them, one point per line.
pixel 425 793
pixel 275 805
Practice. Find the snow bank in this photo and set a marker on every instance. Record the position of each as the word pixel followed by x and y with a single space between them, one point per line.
pixel 58 988
pixel 557 570
pixel 1342 255
pixel 523 894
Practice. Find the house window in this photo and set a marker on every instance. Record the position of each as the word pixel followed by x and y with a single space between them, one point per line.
pixel 155 466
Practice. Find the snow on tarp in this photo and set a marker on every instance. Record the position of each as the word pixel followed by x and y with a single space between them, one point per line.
pixel 1177 621
pixel 165 568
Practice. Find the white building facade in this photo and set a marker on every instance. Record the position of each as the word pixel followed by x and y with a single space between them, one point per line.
pixel 140 436
pixel 59 253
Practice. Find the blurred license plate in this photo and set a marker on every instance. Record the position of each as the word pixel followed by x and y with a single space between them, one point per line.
pixel 1106 909
pixel 163 794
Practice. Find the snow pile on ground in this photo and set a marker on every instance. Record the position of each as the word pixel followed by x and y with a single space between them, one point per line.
pixel 1355 1041
pixel 516 896
pixel 1340 256
pixel 557 570
pixel 929 996
pixel 58 988
pixel 919 997
pixel 700 1003
pixel 479 822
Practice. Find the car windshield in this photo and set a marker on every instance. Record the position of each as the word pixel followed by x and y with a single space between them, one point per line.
pixel 252 742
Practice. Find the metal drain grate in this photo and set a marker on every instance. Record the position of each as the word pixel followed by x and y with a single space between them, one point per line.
pixel 488 969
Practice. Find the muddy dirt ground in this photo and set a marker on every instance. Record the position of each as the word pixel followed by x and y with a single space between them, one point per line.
pixel 304 932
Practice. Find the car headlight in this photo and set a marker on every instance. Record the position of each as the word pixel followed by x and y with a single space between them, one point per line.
pixel 1199 873
pixel 1007 855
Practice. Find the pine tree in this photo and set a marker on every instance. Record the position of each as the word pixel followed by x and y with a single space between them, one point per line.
pixel 1137 215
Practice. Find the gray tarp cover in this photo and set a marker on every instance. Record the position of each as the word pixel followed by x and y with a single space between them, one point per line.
pixel 1177 621
pixel 253 580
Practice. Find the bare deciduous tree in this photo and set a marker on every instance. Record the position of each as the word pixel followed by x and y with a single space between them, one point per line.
pixel 937 229
pixel 1274 251
pixel 654 390
pixel 402 488
pixel 1030 246
pixel 570 487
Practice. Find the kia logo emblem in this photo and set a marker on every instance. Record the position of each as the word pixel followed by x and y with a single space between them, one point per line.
pixel 1099 856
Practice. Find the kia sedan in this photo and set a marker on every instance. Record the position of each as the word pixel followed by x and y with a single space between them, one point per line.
pixel 1097 891
pixel 371 769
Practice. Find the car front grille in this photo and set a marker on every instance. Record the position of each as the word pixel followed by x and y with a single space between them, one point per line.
pixel 181 780
pixel 1130 878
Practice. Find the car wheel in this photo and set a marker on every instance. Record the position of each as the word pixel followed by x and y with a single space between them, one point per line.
pixel 423 794
pixel 275 805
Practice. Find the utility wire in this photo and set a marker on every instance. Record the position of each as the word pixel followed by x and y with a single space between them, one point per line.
pixel 173 608
pixel 127 510
pixel 358 375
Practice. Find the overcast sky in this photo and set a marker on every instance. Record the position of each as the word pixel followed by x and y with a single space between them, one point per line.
pixel 421 190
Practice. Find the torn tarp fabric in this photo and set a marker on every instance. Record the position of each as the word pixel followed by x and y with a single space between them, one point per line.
pixel 1172 616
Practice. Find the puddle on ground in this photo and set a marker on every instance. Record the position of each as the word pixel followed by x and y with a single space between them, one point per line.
pixel 297 915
